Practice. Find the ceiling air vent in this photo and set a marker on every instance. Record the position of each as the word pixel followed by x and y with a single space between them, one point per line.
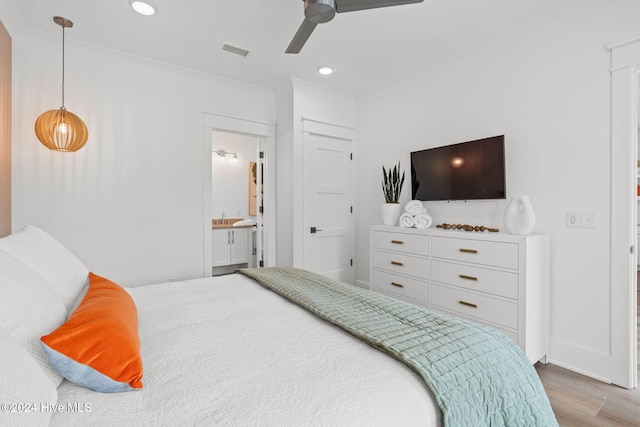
pixel 235 50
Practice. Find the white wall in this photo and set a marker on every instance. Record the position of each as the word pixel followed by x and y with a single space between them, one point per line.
pixel 230 179
pixel 549 94
pixel 130 203
pixel 285 178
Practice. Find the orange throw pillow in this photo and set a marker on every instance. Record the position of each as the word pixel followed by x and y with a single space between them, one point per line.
pixel 98 347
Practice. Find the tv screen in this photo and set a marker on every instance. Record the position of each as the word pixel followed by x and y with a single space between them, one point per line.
pixel 472 170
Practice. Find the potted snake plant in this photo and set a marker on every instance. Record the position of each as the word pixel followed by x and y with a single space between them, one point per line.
pixel 392 182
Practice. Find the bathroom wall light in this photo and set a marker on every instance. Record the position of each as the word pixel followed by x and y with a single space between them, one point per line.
pixel 223 154
pixel 143 7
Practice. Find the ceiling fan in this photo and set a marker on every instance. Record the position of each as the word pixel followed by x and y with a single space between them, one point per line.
pixel 321 11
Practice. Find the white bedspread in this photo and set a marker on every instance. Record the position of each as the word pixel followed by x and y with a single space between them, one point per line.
pixel 225 351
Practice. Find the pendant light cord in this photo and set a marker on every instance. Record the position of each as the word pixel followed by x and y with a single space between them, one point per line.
pixel 63 66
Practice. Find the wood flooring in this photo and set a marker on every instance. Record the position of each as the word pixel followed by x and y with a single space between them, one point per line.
pixel 584 402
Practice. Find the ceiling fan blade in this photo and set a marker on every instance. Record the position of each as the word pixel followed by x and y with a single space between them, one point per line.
pixel 301 36
pixel 353 5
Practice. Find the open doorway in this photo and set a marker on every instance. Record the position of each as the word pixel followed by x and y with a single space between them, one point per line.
pixel 265 228
pixel 236 195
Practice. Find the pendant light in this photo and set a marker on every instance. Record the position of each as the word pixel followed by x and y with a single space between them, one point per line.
pixel 61 130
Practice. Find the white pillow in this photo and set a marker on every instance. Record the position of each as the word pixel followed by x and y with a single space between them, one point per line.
pixel 29 309
pixel 25 391
pixel 46 256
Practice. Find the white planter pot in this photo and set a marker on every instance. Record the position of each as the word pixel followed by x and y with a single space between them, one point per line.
pixel 518 216
pixel 391 213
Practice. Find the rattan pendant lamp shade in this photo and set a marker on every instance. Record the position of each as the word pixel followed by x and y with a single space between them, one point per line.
pixel 61 130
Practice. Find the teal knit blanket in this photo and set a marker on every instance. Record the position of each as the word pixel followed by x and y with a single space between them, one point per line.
pixel 478 376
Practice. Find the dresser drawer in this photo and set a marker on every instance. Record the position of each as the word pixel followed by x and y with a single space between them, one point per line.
pixel 410 243
pixel 498 254
pixel 481 307
pixel 401 263
pixel 513 335
pixel 480 279
pixel 400 286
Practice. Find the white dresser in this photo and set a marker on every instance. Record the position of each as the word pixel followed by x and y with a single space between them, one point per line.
pixel 497 279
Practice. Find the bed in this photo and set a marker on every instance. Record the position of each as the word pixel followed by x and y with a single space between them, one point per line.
pixel 267 347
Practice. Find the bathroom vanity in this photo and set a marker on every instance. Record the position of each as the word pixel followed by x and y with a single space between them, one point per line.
pixel 232 246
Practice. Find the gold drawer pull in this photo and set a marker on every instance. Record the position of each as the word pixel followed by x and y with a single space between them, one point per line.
pixel 397 263
pixel 397 242
pixel 397 285
pixel 468 304
pixel 462 276
pixel 469 251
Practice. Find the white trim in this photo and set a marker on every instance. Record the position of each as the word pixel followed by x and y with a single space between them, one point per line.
pixel 625 66
pixel 234 118
pixel 207 197
pixel 318 127
pixel 308 121
pixel 623 42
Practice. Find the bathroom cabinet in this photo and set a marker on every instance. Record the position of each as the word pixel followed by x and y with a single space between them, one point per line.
pixel 230 246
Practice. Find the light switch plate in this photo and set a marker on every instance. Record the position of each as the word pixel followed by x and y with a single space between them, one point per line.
pixel 581 219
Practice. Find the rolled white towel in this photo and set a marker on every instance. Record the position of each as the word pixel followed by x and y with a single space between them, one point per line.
pixel 423 220
pixel 407 220
pixel 414 207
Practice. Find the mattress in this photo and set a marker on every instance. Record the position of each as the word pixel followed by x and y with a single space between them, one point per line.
pixel 226 351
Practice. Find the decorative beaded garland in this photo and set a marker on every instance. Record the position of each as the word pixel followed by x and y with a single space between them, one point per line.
pixel 467 227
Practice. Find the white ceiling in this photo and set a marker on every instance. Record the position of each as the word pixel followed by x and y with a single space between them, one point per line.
pixel 366 48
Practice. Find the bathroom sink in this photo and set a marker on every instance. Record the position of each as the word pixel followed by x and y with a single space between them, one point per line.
pixel 244 223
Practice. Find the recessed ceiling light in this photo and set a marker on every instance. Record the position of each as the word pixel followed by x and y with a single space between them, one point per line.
pixel 143 7
pixel 325 71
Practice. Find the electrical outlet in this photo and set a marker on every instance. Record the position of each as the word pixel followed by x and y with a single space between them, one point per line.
pixel 581 219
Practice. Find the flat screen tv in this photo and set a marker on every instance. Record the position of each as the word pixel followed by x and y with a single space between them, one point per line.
pixel 472 170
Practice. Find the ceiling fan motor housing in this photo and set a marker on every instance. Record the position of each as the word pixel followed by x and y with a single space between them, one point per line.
pixel 319 11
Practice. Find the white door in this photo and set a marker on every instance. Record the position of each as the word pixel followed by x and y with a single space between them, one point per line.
pixel 259 231
pixel 328 207
pixel 239 245
pixel 220 240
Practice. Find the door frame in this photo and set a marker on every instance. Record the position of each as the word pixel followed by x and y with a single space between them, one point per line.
pixel 625 72
pixel 266 133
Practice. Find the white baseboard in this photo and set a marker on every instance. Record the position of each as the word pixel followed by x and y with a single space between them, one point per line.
pixel 362 284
